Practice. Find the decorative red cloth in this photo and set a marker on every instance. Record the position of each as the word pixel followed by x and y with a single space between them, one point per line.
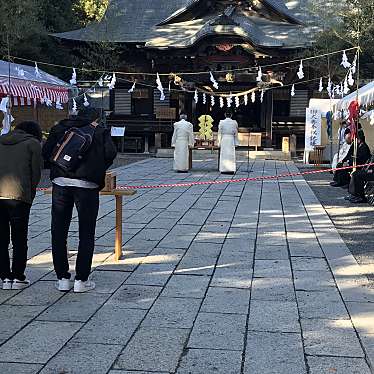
pixel 354 109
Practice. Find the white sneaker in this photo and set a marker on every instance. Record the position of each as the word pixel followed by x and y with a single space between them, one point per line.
pixel 7 284
pixel 80 286
pixel 20 285
pixel 63 285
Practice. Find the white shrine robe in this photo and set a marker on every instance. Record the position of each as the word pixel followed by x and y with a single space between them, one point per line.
pixel 227 141
pixel 182 140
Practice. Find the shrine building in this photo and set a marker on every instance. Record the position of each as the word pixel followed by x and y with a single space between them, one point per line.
pixel 219 36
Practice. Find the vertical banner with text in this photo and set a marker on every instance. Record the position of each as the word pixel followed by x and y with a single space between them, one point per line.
pixel 313 128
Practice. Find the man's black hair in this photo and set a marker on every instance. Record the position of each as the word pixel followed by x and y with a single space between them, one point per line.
pixel 89 114
pixel 229 114
pixel 31 128
pixel 361 136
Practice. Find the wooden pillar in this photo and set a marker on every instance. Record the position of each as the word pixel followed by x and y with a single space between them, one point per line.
pixel 118 243
pixel 267 117
pixel 158 137
pixel 146 143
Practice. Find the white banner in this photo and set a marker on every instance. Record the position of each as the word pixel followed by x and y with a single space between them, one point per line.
pixel 313 128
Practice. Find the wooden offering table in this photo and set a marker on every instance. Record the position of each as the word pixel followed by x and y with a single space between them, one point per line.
pixel 118 194
pixel 203 145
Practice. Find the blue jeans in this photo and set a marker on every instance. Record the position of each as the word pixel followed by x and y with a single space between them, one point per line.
pixel 14 221
pixel 87 204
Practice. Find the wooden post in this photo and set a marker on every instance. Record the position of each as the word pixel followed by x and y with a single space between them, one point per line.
pixel 118 243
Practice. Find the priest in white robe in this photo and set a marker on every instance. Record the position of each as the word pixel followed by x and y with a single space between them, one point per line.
pixel 182 141
pixel 228 141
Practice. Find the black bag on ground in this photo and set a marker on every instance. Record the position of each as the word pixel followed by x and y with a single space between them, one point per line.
pixel 71 149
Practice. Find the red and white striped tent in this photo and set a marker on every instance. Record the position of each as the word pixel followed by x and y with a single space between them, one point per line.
pixel 27 87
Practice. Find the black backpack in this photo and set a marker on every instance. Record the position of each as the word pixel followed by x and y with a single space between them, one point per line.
pixel 69 151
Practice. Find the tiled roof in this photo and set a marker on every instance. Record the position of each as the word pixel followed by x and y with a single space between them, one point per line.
pixel 143 21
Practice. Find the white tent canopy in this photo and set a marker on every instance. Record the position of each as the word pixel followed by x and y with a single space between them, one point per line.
pixel 22 81
pixel 365 97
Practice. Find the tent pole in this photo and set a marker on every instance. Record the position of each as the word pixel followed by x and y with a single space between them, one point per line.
pixel 355 144
pixel 9 114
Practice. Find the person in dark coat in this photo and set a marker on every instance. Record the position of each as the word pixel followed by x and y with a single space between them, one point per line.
pixel 359 178
pixel 81 188
pixel 342 177
pixel 20 172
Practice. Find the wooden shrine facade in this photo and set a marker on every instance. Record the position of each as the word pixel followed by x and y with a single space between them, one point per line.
pixel 186 36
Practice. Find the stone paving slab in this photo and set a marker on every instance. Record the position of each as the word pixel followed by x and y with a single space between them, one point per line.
pixel 70 308
pixel 203 361
pixel 171 312
pixel 273 289
pixel 218 331
pixel 333 338
pixel 247 278
pixel 188 286
pixel 135 296
pixel 338 365
pixel 83 358
pixel 153 349
pixel 111 325
pixel 270 353
pixel 226 300
pixel 38 342
pixel 325 304
pixel 12 368
pixel 273 316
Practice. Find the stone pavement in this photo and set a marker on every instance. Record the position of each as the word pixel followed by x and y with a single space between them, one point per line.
pixel 247 278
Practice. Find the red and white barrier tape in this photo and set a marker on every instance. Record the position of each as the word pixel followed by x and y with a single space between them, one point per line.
pixel 224 181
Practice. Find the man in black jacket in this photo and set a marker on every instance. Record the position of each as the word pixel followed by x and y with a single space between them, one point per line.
pixel 359 178
pixel 342 177
pixel 81 188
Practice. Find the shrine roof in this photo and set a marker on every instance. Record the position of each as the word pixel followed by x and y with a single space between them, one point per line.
pixel 155 24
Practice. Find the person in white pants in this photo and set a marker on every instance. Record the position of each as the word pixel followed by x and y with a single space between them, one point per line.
pixel 228 141
pixel 182 140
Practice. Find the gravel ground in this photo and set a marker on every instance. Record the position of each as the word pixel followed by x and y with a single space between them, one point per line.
pixel 353 221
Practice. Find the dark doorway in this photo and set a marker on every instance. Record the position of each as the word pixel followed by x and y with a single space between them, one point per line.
pixel 247 116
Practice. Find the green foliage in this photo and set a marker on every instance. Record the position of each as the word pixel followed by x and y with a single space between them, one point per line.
pixel 19 20
pixel 346 24
pixel 90 10
pixel 27 24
